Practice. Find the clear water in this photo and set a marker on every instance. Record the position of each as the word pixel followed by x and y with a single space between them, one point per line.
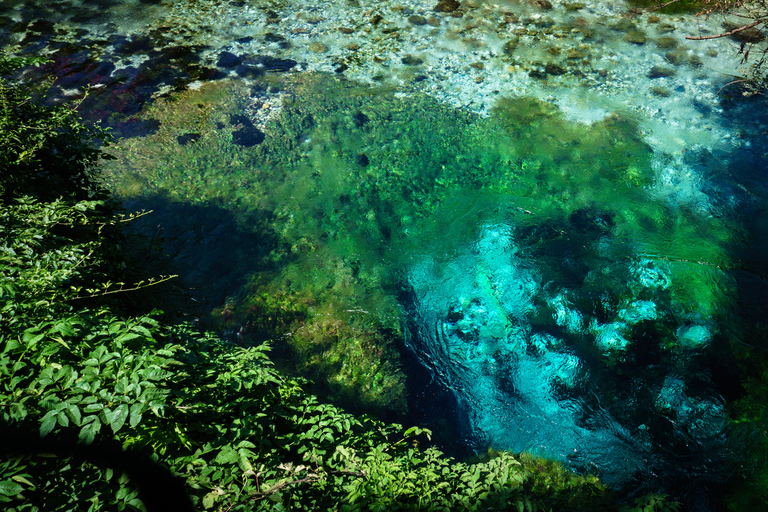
pixel 570 241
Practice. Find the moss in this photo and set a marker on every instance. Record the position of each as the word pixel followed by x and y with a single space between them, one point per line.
pixel 683 6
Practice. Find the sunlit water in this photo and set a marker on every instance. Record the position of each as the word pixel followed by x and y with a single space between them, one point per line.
pixel 572 274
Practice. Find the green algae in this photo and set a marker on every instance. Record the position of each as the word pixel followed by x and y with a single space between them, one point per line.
pixel 351 184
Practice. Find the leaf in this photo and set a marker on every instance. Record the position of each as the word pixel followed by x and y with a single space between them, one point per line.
pixel 226 456
pixel 49 422
pixel 31 337
pixel 209 499
pixel 88 432
pixel 8 488
pixel 119 417
pixel 136 411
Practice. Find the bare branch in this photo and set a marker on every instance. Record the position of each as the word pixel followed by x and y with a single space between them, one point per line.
pixel 726 34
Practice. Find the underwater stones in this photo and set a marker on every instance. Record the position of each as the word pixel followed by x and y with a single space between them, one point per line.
pixel 574 6
pixel 661 92
pixel 360 119
pixel 188 138
pixel 417 20
pixel 549 69
pixel 677 57
pixel 41 26
pixel 228 60
pixel 693 337
pixel 576 53
pixel 446 6
pixel 410 60
pixel 541 4
pixel 666 43
pixel 318 47
pixel 635 36
pixel 660 72
pixel 509 47
pixel 246 135
pixel 275 64
pixel 666 28
pixel 254 67
pixel 247 71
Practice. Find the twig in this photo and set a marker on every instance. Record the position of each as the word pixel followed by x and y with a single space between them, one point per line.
pixel 725 34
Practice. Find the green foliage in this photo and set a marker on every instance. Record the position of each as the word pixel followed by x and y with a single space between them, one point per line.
pixel 50 151
pixel 652 503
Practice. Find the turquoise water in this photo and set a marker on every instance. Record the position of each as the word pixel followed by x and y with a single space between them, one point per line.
pixel 563 226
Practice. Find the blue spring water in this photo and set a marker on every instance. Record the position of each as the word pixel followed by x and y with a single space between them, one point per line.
pixel 536 366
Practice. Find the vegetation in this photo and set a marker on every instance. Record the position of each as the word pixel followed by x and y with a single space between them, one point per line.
pixel 78 370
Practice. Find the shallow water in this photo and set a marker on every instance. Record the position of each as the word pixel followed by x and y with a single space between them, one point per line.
pixel 564 225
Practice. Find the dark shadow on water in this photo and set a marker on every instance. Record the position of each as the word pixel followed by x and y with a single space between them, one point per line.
pixel 211 250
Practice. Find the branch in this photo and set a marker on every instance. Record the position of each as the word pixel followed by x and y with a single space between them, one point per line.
pixel 138 286
pixel 726 34
pixel 312 477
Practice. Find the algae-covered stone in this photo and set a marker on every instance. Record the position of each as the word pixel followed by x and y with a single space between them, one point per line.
pixel 635 36
pixel 660 72
pixel 510 46
pixel 666 42
pixel 417 20
pixel 318 47
pixel 447 6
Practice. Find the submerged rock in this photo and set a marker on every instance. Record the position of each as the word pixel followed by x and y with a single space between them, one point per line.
pixel 446 6
pixel 635 36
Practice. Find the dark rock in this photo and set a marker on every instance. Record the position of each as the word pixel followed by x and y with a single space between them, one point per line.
pixel 509 47
pixel 276 64
pixel 446 6
pixel 554 69
pixel 137 127
pixel 362 160
pixel 666 28
pixel 228 60
pixel 248 136
pixel 549 70
pixel 188 138
pixel 660 72
pixel 666 43
pixel 417 20
pixel 240 120
pixel 246 39
pixel 410 60
pixel 541 4
pixel 635 36
pixel 247 71
pixel 360 119
pixel 677 57
pixel 42 26
pixel 136 44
